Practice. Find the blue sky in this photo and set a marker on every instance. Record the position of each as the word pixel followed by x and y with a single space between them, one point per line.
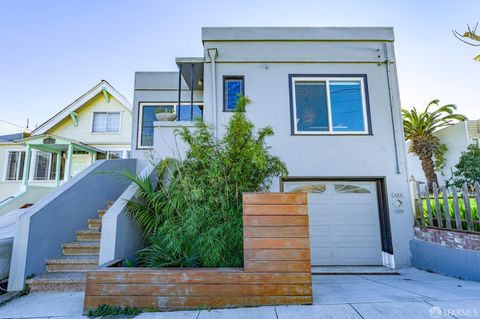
pixel 51 52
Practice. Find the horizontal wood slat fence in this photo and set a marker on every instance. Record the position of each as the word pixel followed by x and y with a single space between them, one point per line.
pixel 276 267
pixel 447 208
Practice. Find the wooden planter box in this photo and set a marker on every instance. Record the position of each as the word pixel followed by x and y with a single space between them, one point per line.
pixel 276 267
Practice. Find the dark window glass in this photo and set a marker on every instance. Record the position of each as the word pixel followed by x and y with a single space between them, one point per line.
pixel 347 106
pixel 187 113
pixel 233 89
pixel 311 106
pixel 147 125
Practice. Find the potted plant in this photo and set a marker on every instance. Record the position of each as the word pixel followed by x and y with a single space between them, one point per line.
pixel 165 113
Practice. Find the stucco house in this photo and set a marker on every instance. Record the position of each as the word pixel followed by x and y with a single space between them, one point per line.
pixel 97 125
pixel 331 96
pixel 457 138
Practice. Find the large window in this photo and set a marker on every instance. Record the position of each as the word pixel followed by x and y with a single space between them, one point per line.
pixel 45 166
pixel 15 162
pixel 233 88
pixel 147 117
pixel 106 122
pixel 329 105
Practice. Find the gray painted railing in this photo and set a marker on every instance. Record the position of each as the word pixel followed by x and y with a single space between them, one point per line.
pixel 447 208
pixel 54 220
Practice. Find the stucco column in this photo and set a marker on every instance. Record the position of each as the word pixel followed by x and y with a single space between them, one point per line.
pixel 68 164
pixel 26 165
pixel 57 168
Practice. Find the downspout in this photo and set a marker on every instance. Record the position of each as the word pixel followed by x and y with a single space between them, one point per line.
pixel 213 53
pixel 392 112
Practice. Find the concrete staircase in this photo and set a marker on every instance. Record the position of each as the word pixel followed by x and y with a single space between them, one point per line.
pixel 68 271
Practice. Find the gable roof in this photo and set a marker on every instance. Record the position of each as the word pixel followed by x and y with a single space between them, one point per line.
pixel 75 105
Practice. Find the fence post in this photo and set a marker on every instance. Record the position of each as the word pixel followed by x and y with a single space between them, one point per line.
pixel 446 207
pixel 420 203
pixel 429 206
pixel 477 199
pixel 458 220
pixel 437 206
pixel 468 210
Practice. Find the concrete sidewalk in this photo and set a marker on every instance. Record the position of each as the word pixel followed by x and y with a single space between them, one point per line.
pixel 413 294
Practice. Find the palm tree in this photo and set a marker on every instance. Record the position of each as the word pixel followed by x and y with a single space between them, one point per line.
pixel 419 128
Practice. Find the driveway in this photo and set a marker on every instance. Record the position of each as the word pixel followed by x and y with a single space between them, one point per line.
pixel 413 294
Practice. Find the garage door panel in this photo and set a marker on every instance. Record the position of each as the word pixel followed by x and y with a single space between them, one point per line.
pixel 344 224
pixel 358 231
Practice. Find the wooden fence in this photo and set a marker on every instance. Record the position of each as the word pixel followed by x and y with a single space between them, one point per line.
pixel 447 208
pixel 276 267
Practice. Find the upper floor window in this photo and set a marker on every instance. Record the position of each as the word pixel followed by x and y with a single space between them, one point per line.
pixel 106 122
pixel 15 162
pixel 329 105
pixel 147 116
pixel 233 88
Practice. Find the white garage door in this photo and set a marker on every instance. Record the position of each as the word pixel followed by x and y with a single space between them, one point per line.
pixel 344 222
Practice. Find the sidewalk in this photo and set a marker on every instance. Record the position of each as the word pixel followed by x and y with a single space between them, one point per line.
pixel 413 294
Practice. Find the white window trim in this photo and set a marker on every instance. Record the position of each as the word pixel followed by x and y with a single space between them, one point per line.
pixel 106 132
pixel 123 150
pixel 329 108
pixel 140 118
pixel 5 168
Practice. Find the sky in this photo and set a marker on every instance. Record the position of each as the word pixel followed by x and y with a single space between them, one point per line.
pixel 53 51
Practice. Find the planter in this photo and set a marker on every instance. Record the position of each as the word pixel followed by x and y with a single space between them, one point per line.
pixel 166 116
pixel 276 267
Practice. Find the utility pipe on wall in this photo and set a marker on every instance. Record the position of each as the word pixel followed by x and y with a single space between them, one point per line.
pixel 392 112
pixel 213 53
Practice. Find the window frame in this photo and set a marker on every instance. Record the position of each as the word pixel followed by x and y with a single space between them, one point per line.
pixel 140 118
pixel 49 166
pixel 7 158
pixel 231 77
pixel 292 78
pixel 106 123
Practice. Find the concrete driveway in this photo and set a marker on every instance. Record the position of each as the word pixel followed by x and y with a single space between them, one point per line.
pixel 413 294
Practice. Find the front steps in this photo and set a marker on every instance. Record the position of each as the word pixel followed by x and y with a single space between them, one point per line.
pixel 68 272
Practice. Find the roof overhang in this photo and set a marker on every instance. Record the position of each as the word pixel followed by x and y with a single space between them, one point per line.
pixel 78 103
pixel 298 34
pixel 55 144
pixel 192 67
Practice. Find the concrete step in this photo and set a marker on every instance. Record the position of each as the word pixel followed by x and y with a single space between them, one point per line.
pixel 94 223
pixel 72 263
pixel 88 235
pixel 81 248
pixel 58 281
pixel 102 212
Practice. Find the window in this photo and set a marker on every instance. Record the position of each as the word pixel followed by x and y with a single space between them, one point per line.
pixel 329 105
pixel 106 122
pixel 233 88
pixel 304 187
pixel 16 160
pixel 45 166
pixel 147 117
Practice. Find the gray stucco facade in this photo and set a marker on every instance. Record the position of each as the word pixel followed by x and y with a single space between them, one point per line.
pixel 267 58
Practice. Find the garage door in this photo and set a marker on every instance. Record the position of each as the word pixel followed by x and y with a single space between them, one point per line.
pixel 344 222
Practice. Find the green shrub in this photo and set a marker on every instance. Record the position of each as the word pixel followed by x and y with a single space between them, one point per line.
pixel 193 215
pixel 467 171
pixel 106 310
pixel 451 212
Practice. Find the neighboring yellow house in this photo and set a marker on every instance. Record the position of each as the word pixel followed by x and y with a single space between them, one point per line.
pixel 95 126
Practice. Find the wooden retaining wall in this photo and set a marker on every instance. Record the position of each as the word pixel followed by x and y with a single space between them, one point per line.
pixel 276 267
